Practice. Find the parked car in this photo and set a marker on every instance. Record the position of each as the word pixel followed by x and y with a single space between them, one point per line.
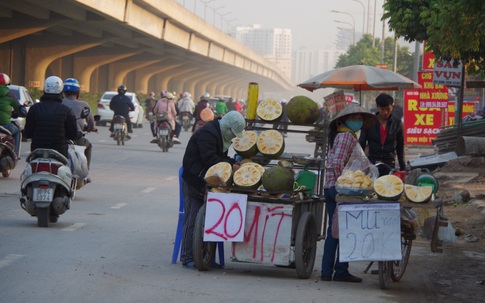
pixel 106 114
pixel 24 98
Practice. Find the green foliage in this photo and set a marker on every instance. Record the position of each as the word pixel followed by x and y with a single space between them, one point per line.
pixel 453 29
pixel 364 53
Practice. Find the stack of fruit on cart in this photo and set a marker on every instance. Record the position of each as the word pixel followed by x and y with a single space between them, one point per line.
pixel 269 145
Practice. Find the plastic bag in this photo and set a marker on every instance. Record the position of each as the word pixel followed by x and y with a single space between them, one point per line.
pixel 359 173
pixel 77 161
pixel 447 234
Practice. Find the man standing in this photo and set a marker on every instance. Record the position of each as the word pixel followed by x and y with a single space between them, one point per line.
pixel 386 139
pixel 49 123
pixel 71 93
pixel 121 105
pixel 206 147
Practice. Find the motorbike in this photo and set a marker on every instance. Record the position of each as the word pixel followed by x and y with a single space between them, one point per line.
pixel 49 181
pixel 164 132
pixel 8 157
pixel 120 129
pixel 185 120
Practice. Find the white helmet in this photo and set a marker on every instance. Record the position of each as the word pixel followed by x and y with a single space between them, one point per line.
pixel 53 85
pixel 4 79
pixel 186 95
pixel 205 97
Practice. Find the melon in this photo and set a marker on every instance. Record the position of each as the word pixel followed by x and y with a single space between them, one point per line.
pixel 247 177
pixel 256 165
pixel 223 170
pixel 246 146
pixel 271 143
pixel 418 194
pixel 388 187
pixel 278 179
pixel 269 110
pixel 302 110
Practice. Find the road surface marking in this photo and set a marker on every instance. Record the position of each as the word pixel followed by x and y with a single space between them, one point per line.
pixel 118 206
pixel 75 227
pixel 9 259
pixel 148 189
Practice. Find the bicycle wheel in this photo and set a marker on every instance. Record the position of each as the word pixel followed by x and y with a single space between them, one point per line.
pixel 203 251
pixel 385 269
pixel 399 267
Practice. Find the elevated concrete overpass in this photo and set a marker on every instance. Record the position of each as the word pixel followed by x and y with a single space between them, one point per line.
pixel 148 45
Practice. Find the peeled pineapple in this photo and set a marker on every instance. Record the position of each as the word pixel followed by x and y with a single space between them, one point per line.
pixel 354 179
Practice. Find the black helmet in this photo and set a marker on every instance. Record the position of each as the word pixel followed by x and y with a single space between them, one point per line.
pixel 122 89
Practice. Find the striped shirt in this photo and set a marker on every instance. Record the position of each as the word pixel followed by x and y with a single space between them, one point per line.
pixel 338 156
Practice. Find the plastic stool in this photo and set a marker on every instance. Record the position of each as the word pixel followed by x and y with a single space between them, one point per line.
pixel 178 235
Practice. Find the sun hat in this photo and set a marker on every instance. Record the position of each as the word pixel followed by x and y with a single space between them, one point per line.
pixel 350 109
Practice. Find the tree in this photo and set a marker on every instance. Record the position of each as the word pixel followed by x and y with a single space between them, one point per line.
pixel 453 29
pixel 364 53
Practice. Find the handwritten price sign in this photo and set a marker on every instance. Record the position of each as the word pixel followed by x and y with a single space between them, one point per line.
pixel 224 217
pixel 369 232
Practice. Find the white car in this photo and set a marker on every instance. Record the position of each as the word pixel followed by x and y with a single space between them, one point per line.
pixel 106 114
pixel 24 98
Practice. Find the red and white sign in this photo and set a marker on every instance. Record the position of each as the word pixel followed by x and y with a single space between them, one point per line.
pixel 224 217
pixel 335 102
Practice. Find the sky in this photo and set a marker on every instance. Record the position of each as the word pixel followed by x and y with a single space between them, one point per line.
pixel 312 23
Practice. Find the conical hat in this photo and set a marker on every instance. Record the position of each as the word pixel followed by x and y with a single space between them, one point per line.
pixel 353 108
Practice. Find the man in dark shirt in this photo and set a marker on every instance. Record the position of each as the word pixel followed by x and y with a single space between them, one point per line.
pixel 121 105
pixel 386 138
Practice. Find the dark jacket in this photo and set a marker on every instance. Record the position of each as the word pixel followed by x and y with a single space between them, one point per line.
pixel 205 148
pixel 394 144
pixel 50 124
pixel 121 105
pixel 200 106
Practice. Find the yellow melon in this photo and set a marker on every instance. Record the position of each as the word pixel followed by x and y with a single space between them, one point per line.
pixel 418 194
pixel 269 110
pixel 223 170
pixel 246 146
pixel 388 187
pixel 271 143
pixel 247 176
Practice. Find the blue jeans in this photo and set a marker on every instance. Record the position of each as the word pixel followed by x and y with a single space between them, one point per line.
pixel 330 260
pixel 16 136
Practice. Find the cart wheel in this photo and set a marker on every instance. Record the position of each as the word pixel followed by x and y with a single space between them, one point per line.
pixel 305 245
pixel 385 269
pixel 203 251
pixel 399 267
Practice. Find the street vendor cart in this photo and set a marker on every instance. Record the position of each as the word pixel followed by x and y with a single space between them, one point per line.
pixel 279 228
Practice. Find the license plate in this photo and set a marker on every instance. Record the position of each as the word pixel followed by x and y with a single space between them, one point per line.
pixel 117 126
pixel 163 132
pixel 43 194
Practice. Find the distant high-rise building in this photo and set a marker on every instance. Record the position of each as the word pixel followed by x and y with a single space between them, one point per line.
pixel 274 44
pixel 308 64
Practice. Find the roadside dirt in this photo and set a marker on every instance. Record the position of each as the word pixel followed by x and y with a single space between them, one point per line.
pixel 458 274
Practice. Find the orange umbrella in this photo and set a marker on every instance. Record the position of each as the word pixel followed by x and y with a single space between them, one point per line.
pixel 360 78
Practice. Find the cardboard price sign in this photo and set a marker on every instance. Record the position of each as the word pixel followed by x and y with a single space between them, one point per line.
pixel 224 217
pixel 369 232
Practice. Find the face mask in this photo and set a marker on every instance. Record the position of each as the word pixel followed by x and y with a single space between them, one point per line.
pixel 354 125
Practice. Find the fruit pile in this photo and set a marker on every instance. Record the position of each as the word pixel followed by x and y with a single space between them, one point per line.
pixel 251 176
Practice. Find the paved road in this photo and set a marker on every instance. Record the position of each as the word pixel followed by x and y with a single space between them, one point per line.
pixel 115 243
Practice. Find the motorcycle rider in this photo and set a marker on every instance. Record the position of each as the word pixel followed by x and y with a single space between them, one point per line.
pixel 71 93
pixel 166 105
pixel 49 123
pixel 121 105
pixel 203 103
pixel 7 104
pixel 186 104
pixel 149 104
pixel 221 107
